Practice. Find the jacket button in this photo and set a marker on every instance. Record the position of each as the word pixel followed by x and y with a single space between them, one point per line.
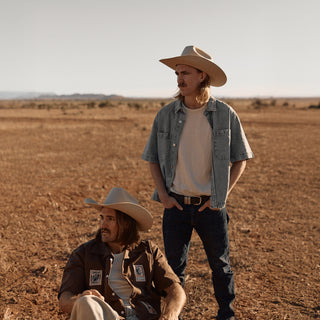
pixel 113 294
pixel 122 312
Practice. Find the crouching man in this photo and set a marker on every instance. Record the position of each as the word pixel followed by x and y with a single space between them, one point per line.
pixel 117 275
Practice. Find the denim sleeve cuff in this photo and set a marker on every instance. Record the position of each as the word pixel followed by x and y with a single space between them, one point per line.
pixel 243 156
pixel 149 158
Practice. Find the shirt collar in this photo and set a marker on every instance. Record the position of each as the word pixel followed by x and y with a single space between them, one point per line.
pixel 178 106
pixel 210 107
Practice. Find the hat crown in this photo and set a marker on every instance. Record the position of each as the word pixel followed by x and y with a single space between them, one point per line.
pixel 195 51
pixel 121 200
pixel 119 195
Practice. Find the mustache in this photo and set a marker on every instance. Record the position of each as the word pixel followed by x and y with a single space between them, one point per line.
pixel 105 230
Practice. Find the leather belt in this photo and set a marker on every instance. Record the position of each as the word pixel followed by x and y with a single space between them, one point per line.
pixel 189 200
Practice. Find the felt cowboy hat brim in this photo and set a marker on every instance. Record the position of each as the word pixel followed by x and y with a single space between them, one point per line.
pixel 197 58
pixel 120 199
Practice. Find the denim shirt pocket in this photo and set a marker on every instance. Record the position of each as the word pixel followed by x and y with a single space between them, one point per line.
pixel 221 144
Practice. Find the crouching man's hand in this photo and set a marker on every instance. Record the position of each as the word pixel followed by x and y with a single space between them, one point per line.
pixel 169 317
pixel 174 302
pixel 92 292
pixel 67 298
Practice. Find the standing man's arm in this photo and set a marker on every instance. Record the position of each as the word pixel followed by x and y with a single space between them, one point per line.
pixel 167 201
pixel 236 171
pixel 174 302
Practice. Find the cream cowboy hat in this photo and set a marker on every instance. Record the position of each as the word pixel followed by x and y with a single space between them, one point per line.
pixel 120 199
pixel 197 58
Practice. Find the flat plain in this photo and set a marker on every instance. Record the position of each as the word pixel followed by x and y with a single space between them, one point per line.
pixel 54 154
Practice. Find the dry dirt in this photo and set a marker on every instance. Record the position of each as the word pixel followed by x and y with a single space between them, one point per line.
pixel 51 159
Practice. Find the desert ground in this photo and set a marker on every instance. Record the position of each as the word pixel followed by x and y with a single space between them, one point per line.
pixel 54 154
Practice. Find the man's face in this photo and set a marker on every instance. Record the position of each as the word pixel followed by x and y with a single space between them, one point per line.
pixel 109 225
pixel 189 80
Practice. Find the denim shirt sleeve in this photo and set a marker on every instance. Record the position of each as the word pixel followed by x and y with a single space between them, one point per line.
pixel 162 145
pixel 150 152
pixel 163 141
pixel 239 146
pixel 229 145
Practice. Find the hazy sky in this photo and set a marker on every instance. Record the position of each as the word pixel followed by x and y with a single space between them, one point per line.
pixel 101 46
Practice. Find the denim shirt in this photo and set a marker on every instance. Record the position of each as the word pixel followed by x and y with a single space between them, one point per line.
pixel 229 144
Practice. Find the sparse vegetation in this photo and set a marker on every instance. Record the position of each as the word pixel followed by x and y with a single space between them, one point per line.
pixel 315 106
pixel 263 103
pixel 106 104
pixel 135 105
pixel 154 104
pixel 163 103
pixel 273 102
pixel 91 105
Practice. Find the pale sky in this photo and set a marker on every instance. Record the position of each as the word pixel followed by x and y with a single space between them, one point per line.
pixel 266 48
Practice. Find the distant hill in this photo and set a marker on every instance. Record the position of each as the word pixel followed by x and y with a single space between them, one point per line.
pixel 6 95
pixel 80 96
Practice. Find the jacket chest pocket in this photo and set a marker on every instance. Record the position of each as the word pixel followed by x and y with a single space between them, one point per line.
pixel 221 144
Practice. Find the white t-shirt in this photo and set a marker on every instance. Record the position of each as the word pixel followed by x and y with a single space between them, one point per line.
pixel 194 163
pixel 117 281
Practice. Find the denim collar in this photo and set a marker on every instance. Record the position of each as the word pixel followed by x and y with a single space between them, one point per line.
pixel 178 106
pixel 212 104
pixel 210 107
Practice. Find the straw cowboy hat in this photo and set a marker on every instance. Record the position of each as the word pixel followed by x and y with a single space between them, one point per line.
pixel 120 199
pixel 197 58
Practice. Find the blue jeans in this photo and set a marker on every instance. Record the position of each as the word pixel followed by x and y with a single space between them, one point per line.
pixel 212 228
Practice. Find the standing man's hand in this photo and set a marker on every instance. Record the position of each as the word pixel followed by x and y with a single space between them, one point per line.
pixel 207 205
pixel 167 201
pixel 236 171
pixel 170 202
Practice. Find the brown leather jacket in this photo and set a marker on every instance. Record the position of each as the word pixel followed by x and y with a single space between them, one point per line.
pixel 145 268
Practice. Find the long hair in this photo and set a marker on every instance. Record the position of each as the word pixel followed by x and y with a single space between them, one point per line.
pixel 128 233
pixel 204 92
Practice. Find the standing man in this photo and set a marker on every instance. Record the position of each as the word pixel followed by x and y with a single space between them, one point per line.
pixel 116 275
pixel 197 151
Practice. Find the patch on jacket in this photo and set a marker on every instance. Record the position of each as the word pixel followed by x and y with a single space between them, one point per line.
pixel 139 273
pixel 95 278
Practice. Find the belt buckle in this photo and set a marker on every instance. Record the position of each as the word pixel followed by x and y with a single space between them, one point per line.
pixel 187 200
pixel 200 200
